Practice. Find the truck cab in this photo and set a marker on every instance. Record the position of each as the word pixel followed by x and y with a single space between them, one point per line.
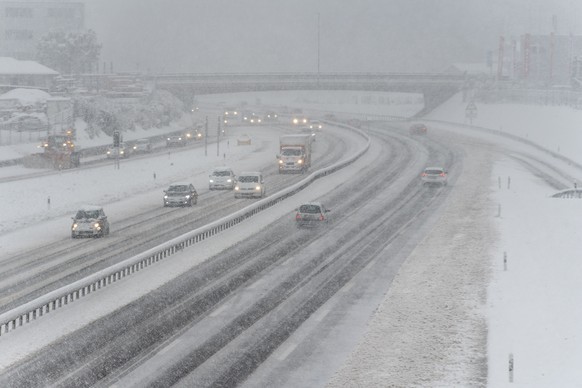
pixel 294 153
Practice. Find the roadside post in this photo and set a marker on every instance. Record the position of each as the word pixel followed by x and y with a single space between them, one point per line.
pixel 471 112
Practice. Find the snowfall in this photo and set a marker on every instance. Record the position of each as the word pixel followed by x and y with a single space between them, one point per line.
pixel 529 305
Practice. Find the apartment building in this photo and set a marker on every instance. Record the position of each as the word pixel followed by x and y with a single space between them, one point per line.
pixel 24 22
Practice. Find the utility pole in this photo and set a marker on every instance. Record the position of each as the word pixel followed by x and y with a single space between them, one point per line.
pixel 218 138
pixel 206 136
pixel 318 49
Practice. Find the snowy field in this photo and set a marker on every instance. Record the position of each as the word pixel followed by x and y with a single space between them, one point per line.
pixel 532 306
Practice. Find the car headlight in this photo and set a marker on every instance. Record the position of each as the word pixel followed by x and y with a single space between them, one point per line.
pixel 199 135
pixel 228 180
pixel 165 197
pixel 75 225
pixel 300 161
pixel 97 226
pixel 258 188
pixel 212 181
pixel 280 161
pixel 236 188
pixel 295 121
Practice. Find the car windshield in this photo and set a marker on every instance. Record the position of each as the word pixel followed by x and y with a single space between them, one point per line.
pixel 179 188
pixel 221 173
pixel 248 178
pixel 81 214
pixel 313 209
pixel 434 172
pixel 291 152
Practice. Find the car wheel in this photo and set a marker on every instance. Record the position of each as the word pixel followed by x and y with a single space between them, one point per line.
pixel 73 235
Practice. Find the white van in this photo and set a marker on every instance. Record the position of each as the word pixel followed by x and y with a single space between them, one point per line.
pixel 222 178
pixel 250 184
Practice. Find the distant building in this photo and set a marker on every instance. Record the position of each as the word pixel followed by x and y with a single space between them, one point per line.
pixel 28 74
pixel 543 60
pixel 23 23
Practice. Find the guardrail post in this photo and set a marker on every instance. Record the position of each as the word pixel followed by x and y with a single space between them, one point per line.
pixel 510 367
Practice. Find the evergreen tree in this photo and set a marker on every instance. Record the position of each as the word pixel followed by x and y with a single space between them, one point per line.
pixel 69 53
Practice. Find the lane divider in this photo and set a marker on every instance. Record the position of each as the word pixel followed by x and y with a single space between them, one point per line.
pixel 39 307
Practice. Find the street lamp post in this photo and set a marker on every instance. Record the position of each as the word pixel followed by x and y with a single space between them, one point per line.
pixel 318 50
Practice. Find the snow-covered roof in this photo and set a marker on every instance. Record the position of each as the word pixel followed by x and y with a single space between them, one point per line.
pixel 10 65
pixel 26 96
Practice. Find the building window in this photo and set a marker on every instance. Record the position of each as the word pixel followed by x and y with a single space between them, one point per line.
pixel 18 34
pixel 18 12
pixel 61 13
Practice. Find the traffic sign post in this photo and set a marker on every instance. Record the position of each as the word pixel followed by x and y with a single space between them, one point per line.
pixel 471 112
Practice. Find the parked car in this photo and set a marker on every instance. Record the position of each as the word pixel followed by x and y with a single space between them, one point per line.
pixel 250 184
pixel 142 146
pixel 90 221
pixel 434 176
pixel 243 139
pixel 311 214
pixel 122 151
pixel 175 141
pixel 418 129
pixel 180 194
pixel 29 123
pixel 222 178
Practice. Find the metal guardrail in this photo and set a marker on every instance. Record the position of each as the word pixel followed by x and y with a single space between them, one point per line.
pixel 33 310
pixel 509 136
pixel 568 193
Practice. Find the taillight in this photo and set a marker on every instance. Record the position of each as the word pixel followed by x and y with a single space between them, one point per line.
pixel 423 174
pixel 321 217
pixel 442 174
pixel 297 217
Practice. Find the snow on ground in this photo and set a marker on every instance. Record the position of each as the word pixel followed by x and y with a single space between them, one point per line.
pixel 22 341
pixel 137 185
pixel 429 330
pixel 556 128
pixel 535 301
pixel 530 311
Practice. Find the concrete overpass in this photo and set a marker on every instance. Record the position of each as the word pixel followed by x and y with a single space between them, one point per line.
pixel 436 88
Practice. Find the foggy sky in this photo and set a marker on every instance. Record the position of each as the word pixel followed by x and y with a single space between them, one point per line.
pixel 250 36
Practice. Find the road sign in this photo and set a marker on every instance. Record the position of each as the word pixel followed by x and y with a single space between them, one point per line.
pixel 471 111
